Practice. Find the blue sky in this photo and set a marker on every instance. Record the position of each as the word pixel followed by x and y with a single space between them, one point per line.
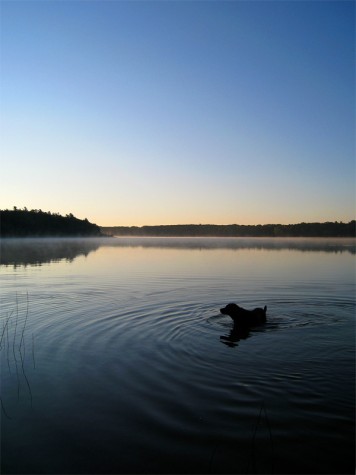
pixel 134 113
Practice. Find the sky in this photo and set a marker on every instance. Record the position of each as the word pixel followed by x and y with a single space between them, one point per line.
pixel 177 112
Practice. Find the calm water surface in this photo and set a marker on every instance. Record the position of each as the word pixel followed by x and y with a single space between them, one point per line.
pixel 112 359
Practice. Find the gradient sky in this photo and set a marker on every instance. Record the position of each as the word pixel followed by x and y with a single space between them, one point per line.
pixel 176 112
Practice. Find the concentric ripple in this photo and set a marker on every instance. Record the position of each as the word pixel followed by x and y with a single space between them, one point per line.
pixel 127 366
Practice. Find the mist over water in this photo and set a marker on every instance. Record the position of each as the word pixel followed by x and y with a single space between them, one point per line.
pixel 113 362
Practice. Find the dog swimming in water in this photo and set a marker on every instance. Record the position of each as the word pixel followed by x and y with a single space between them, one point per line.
pixel 245 318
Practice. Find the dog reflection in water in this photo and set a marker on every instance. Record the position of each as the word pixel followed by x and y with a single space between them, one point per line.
pixel 243 320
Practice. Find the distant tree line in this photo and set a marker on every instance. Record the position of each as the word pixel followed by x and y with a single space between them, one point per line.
pixel 26 223
pixel 328 229
pixel 38 223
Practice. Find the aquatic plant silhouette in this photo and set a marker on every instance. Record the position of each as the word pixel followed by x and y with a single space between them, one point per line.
pixel 252 459
pixel 14 337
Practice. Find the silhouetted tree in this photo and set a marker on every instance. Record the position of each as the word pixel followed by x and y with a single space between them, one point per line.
pixel 328 229
pixel 22 223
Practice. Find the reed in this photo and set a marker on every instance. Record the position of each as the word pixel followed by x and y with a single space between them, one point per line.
pixel 251 464
pixel 15 332
pixel 3 409
pixel 33 352
pixel 24 375
pixel 24 326
pixel 8 349
pixel 252 458
pixel 5 327
pixel 13 347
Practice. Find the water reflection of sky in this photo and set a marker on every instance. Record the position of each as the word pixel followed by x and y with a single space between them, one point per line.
pixel 15 252
pixel 131 334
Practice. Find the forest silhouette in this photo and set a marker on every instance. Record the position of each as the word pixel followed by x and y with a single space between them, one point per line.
pixel 328 229
pixel 38 223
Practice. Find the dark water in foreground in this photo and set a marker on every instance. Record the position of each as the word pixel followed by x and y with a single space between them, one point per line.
pixel 112 361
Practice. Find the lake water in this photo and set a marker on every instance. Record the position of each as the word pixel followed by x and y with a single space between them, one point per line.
pixel 112 359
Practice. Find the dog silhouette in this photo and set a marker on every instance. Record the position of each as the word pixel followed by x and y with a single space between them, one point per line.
pixel 245 318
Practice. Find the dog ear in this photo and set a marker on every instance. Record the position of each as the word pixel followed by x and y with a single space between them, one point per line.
pixel 265 309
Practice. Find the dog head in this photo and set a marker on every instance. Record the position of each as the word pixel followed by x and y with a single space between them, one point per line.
pixel 231 309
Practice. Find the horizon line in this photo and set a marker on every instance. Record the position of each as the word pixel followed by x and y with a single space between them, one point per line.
pixel 230 224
